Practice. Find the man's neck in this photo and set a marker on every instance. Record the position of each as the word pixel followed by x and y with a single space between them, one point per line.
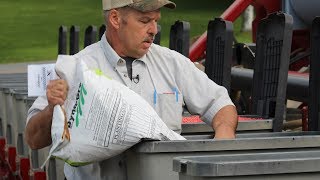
pixel 112 40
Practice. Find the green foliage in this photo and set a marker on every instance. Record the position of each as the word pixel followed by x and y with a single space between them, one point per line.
pixel 29 29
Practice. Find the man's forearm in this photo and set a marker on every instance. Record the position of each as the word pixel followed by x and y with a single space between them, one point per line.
pixel 225 122
pixel 38 129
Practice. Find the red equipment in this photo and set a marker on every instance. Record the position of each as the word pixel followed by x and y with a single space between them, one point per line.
pixel 300 41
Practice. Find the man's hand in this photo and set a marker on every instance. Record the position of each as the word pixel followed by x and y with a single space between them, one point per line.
pixel 225 123
pixel 38 129
pixel 57 92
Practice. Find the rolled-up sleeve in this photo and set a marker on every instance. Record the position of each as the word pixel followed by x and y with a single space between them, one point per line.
pixel 218 104
pixel 39 104
pixel 202 96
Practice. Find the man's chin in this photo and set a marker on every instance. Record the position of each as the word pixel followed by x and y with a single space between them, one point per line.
pixel 143 51
pixel 140 54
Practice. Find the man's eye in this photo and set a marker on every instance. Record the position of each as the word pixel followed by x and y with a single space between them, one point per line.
pixel 145 21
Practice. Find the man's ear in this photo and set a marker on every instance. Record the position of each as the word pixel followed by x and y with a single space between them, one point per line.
pixel 114 18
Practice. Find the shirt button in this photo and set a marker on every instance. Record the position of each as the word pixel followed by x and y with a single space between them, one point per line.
pixel 121 62
pixel 125 75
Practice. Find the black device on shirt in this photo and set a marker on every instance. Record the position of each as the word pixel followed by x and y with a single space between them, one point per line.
pixel 136 79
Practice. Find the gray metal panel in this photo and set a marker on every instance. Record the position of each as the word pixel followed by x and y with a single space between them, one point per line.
pixel 11 114
pixel 295 176
pixel 21 117
pixel 249 143
pixel 256 135
pixel 248 164
pixel 250 125
pixel 21 95
pixel 158 166
pixel 153 160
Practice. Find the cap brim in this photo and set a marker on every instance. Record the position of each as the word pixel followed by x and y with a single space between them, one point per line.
pixel 152 5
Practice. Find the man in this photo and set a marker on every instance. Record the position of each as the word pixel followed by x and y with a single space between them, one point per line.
pixel 164 78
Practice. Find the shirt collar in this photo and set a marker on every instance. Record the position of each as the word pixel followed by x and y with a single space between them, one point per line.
pixel 110 54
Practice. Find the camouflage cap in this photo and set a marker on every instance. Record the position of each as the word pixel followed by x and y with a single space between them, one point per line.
pixel 140 5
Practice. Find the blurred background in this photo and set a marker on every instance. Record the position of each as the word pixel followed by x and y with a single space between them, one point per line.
pixel 29 29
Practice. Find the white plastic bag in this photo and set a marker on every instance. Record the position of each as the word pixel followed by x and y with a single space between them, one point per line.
pixel 103 118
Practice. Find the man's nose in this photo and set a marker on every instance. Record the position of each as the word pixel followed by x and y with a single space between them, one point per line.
pixel 153 28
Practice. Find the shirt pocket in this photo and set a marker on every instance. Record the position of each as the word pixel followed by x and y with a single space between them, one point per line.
pixel 170 110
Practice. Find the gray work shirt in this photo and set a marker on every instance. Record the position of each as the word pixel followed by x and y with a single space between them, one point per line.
pixel 166 79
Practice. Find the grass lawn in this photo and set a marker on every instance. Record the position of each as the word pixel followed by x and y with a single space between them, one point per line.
pixel 29 29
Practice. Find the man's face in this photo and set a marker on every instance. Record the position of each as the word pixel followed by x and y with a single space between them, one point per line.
pixel 137 31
